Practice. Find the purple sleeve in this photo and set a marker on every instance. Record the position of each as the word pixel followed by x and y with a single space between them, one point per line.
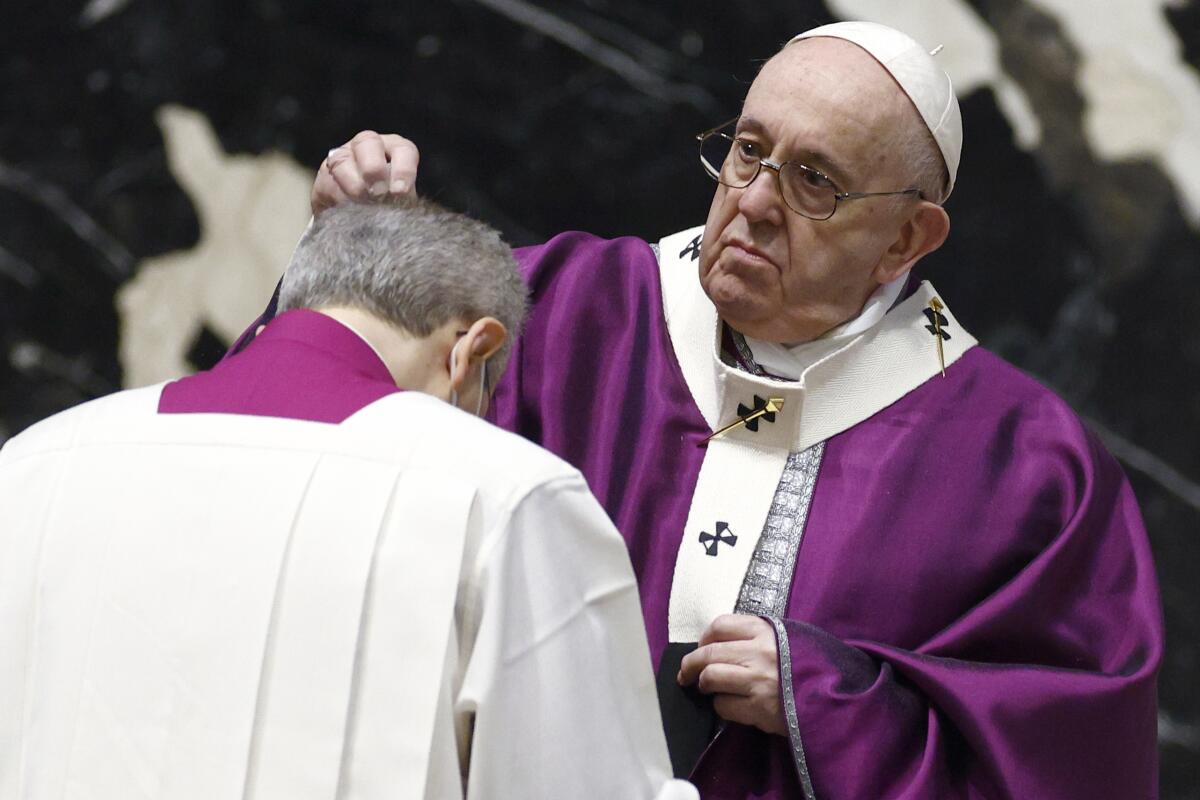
pixel 583 291
pixel 584 366
pixel 1045 688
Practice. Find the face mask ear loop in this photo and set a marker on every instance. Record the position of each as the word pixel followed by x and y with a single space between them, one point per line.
pixel 482 387
pixel 453 365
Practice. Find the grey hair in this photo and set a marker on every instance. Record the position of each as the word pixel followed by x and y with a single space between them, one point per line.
pixel 413 264
pixel 922 159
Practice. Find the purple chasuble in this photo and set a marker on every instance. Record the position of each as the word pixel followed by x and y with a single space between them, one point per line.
pixel 974 611
pixel 304 365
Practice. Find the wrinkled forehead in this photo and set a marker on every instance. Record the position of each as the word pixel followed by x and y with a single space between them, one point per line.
pixel 829 92
pixel 834 74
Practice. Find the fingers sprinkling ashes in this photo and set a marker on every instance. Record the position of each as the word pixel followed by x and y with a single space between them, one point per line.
pixel 331 161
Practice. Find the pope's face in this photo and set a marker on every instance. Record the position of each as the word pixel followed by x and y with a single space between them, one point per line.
pixel 772 273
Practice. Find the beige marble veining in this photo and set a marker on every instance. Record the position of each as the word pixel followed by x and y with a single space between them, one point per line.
pixel 252 209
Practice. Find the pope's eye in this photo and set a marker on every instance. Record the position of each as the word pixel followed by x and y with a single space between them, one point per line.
pixel 747 150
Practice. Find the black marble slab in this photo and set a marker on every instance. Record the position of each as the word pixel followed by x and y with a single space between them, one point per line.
pixel 542 117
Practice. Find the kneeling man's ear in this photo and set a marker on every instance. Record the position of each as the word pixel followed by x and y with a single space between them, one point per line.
pixel 481 341
pixel 485 336
pixel 924 231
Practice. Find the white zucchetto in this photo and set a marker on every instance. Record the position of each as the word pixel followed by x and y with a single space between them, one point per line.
pixel 925 83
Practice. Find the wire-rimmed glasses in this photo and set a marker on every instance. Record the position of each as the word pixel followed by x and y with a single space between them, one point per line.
pixel 735 161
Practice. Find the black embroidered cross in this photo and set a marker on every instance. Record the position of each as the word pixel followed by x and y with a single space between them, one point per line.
pixel 763 409
pixel 711 542
pixel 768 413
pixel 937 323
pixel 693 248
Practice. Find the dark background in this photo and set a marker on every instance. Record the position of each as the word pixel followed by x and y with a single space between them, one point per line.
pixel 579 115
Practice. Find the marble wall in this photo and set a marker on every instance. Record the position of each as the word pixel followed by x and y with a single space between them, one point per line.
pixel 155 159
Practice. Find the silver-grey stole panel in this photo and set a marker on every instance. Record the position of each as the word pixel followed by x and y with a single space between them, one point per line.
pixel 772 567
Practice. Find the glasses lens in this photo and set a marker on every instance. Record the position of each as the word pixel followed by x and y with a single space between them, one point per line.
pixel 728 161
pixel 807 191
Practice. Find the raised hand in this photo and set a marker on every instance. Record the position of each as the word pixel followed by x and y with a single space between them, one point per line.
pixel 371 167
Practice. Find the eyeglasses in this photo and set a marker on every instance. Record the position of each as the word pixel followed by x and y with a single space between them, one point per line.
pixel 736 161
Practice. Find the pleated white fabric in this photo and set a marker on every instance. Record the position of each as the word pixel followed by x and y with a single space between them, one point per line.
pixel 410 604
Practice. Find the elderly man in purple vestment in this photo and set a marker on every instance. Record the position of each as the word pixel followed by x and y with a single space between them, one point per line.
pixel 288 577
pixel 893 565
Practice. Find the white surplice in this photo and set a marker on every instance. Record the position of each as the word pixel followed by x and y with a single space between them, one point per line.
pixel 410 604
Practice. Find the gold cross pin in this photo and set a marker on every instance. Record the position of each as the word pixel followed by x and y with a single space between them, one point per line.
pixel 772 405
pixel 937 307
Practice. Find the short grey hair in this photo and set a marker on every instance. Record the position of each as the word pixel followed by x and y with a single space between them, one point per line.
pixel 922 159
pixel 413 264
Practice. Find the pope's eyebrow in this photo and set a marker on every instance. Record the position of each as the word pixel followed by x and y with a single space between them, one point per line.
pixel 810 157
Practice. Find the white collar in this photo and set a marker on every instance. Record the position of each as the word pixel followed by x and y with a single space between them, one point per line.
pixel 864 373
pixel 790 361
